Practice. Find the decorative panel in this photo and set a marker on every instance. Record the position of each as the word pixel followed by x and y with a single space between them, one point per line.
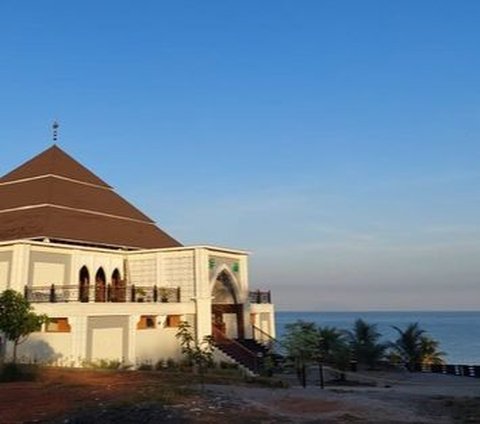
pixel 143 272
pixel 216 262
pixel 178 271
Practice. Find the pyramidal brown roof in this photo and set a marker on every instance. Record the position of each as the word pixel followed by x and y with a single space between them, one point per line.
pixel 53 196
pixel 54 161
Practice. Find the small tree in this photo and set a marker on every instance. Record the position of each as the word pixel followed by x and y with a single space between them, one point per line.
pixel 199 354
pixel 301 340
pixel 333 349
pixel 365 343
pixel 306 343
pixel 17 319
pixel 415 346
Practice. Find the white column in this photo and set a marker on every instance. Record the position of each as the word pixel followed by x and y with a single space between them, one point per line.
pixel 20 267
pixel 244 283
pixel 79 338
pixel 203 297
pixel 245 298
pixel 132 339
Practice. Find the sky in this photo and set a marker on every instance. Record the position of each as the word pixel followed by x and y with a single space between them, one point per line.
pixel 337 141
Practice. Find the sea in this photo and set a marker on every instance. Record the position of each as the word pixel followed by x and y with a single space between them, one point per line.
pixel 457 332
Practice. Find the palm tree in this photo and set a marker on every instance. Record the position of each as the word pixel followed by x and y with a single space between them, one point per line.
pixel 430 353
pixel 330 340
pixel 301 343
pixel 333 348
pixel 414 346
pixel 365 345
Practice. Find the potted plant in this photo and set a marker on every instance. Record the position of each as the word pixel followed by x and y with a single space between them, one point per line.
pixel 140 294
pixel 163 293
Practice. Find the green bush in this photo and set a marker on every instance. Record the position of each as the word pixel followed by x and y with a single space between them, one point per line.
pixel 145 367
pixel 227 365
pixel 160 365
pixel 105 364
pixel 171 364
pixel 14 372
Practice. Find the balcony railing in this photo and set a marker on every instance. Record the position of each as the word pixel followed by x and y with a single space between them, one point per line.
pixel 101 293
pixel 259 296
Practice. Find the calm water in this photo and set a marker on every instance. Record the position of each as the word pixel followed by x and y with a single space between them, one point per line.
pixel 457 332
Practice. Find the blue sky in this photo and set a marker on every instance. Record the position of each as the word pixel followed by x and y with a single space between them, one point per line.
pixel 336 140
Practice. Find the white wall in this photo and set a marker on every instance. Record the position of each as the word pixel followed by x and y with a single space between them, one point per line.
pixel 4 274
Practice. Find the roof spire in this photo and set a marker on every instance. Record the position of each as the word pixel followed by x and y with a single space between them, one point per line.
pixel 55 126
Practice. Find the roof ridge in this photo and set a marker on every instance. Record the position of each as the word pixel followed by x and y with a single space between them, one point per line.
pixel 60 177
pixel 68 208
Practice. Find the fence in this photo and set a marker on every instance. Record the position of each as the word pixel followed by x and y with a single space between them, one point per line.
pixel 451 369
pixel 101 293
pixel 258 296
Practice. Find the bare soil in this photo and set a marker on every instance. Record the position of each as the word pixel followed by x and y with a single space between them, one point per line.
pixel 97 396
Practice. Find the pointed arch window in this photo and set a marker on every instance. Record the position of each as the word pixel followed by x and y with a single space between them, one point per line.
pixel 100 286
pixel 118 291
pixel 84 283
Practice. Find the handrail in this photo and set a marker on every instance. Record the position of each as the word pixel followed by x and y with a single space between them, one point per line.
pixel 272 339
pixel 101 293
pixel 223 336
pixel 259 296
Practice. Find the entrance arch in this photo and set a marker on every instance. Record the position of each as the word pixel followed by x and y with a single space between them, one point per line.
pixel 100 285
pixel 227 313
pixel 84 283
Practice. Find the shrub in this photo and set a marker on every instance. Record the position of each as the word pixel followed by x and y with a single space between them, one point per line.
pixel 160 365
pixel 14 372
pixel 171 364
pixel 145 367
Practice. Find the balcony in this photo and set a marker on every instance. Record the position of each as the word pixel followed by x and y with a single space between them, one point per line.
pixel 258 296
pixel 122 294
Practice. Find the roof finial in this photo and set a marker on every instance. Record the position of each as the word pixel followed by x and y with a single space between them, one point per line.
pixel 55 126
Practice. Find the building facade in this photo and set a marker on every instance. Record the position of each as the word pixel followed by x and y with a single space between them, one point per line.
pixel 114 285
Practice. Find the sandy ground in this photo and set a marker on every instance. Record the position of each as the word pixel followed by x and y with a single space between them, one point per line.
pixel 77 397
pixel 398 398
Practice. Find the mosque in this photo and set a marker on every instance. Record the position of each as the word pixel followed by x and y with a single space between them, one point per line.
pixel 114 285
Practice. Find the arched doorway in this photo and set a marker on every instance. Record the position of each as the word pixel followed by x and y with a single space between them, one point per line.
pixel 118 292
pixel 100 285
pixel 84 283
pixel 227 313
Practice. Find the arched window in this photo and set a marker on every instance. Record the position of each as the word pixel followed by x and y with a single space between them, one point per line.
pixel 84 282
pixel 118 289
pixel 115 276
pixel 100 285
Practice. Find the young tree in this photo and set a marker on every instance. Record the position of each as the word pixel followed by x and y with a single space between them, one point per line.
pixel 365 344
pixel 430 351
pixel 414 346
pixel 199 354
pixel 306 343
pixel 301 340
pixel 17 319
pixel 333 349
pixel 331 340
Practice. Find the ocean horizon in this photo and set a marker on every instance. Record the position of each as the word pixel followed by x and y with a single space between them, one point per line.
pixel 457 331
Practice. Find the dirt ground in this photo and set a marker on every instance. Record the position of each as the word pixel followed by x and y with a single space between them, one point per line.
pixel 88 396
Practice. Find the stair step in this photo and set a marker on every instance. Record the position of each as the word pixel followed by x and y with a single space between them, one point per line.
pixel 252 360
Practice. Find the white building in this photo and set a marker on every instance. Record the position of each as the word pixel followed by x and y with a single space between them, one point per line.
pixel 114 285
